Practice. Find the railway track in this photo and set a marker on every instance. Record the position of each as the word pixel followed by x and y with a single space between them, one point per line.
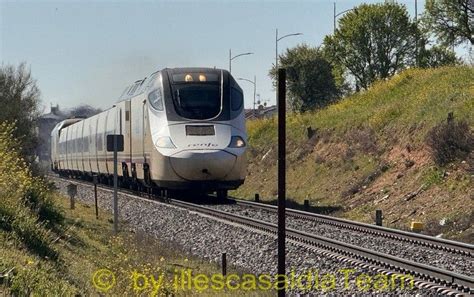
pixel 441 280
pixel 413 238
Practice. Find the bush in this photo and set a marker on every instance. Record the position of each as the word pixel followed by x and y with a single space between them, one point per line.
pixel 26 208
pixel 450 140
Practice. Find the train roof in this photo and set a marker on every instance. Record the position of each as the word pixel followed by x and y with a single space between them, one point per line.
pixel 63 124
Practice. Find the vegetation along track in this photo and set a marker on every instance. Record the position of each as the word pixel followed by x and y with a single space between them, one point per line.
pixel 442 280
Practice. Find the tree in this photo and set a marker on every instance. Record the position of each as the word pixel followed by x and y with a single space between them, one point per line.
pixel 437 56
pixel 83 111
pixel 19 101
pixel 373 41
pixel 310 80
pixel 452 21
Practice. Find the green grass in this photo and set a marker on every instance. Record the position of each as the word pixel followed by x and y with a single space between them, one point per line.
pixel 415 98
pixel 85 245
pixel 433 176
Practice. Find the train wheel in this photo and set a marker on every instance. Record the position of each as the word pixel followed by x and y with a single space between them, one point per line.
pixel 222 194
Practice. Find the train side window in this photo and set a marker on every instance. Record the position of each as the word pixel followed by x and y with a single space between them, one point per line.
pixel 237 99
pixel 156 99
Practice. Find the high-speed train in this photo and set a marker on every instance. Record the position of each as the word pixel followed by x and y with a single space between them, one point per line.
pixel 183 128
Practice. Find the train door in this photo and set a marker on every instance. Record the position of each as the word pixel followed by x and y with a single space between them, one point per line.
pixel 111 127
pixel 62 149
pixel 137 137
pixel 69 148
pixel 91 142
pixel 119 130
pixel 127 137
pixel 81 146
pixel 100 138
pixel 76 146
pixel 124 157
pixel 85 145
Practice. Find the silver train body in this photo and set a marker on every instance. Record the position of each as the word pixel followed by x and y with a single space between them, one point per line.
pixel 183 128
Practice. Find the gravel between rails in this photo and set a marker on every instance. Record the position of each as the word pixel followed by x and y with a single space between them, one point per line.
pixel 207 238
pixel 457 263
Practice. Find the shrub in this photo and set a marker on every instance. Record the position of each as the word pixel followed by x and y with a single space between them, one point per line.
pixel 26 207
pixel 450 140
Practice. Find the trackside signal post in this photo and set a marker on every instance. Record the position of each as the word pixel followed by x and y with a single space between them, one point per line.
pixel 115 144
pixel 281 178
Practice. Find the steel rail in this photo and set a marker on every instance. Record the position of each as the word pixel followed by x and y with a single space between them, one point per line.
pixel 415 238
pixel 429 273
pixel 424 240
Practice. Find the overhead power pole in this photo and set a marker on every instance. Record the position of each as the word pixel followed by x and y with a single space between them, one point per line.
pixel 281 178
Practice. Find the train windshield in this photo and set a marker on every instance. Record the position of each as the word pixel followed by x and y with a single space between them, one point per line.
pixel 197 101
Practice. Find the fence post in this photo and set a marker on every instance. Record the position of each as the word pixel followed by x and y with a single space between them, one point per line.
pixel 72 191
pixel 224 263
pixel 378 217
pixel 94 179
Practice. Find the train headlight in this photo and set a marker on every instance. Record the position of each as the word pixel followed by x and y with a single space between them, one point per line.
pixel 165 142
pixel 237 141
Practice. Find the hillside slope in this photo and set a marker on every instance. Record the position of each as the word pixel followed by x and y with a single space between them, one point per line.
pixel 369 152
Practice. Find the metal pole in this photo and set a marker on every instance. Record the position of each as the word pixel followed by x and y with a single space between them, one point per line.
pixel 276 62
pixel 95 197
pixel 224 263
pixel 416 11
pixel 416 33
pixel 115 188
pixel 254 90
pixel 230 60
pixel 334 19
pixel 378 217
pixel 281 177
pixel 276 51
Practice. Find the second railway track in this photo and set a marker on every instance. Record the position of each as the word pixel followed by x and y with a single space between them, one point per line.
pixel 423 240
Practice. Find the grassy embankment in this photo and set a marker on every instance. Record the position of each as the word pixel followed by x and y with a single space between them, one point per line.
pixel 369 152
pixel 46 249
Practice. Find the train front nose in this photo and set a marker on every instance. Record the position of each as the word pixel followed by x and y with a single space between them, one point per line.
pixel 197 165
